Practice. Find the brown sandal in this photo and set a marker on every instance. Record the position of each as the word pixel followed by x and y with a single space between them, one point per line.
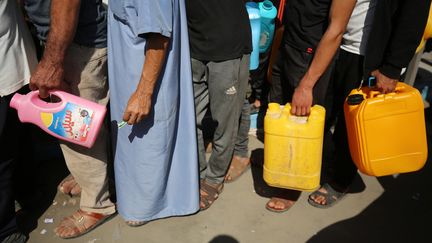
pixel 69 186
pixel 277 202
pixel 238 166
pixel 282 200
pixel 209 193
pixel 79 223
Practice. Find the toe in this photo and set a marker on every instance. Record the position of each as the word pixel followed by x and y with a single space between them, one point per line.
pixel 279 205
pixel 271 203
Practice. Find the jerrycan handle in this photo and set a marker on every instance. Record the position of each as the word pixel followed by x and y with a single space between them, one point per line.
pixel 398 89
pixel 294 118
pixel 298 119
pixel 372 85
pixel 52 103
pixel 375 93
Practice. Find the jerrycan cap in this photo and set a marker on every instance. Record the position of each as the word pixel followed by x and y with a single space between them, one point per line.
pixel 355 99
pixel 267 4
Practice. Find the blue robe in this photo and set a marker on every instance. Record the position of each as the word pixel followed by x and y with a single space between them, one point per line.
pixel 155 161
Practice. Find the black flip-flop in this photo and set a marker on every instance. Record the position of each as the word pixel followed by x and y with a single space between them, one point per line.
pixel 331 197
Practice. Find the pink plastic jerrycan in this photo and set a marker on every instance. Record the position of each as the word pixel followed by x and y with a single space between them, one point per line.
pixel 73 119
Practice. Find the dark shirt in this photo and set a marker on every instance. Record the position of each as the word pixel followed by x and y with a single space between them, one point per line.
pixel 92 24
pixel 396 32
pixel 305 23
pixel 219 30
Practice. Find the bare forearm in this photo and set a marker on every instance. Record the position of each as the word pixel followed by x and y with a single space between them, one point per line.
pixel 339 15
pixel 64 19
pixel 323 56
pixel 155 55
pixel 140 102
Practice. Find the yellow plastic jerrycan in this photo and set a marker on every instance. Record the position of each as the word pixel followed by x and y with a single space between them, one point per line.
pixel 293 148
pixel 427 32
pixel 386 132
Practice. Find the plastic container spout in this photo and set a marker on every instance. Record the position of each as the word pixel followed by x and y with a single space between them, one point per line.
pixel 16 101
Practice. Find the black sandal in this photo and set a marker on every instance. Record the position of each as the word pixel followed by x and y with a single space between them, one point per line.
pixel 331 197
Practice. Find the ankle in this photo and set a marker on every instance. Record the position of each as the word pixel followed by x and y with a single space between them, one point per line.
pixel 338 186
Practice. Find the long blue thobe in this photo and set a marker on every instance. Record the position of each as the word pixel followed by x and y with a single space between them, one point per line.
pixel 156 168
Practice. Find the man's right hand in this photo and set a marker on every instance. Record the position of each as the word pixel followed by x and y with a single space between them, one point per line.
pixel 48 76
pixel 138 107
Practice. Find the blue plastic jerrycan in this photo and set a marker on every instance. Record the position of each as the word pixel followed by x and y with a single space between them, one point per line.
pixel 254 18
pixel 268 14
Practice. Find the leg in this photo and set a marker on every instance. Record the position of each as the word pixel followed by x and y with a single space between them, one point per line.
pixel 275 93
pixel 26 181
pixel 227 89
pixel 85 72
pixel 8 143
pixel 227 84
pixel 287 73
pixel 242 140
pixel 201 97
pixel 258 79
pixel 347 76
pixel 240 161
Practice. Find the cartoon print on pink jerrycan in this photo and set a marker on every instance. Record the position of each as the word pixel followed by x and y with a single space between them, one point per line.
pixel 73 119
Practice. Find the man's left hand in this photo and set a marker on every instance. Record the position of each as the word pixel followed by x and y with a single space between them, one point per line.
pixel 384 83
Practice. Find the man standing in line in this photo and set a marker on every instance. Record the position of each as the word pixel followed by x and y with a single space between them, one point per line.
pixel 220 44
pixel 155 162
pixel 312 35
pixel 395 33
pixel 75 60
pixel 17 62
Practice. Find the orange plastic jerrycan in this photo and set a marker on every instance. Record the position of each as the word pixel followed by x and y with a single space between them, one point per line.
pixel 386 132
pixel 293 148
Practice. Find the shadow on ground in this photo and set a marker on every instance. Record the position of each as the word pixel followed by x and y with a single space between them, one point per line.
pixel 223 239
pixel 402 213
pixel 37 174
pixel 264 190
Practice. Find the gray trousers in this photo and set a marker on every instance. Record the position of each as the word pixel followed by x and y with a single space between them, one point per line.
pixel 241 147
pixel 220 86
